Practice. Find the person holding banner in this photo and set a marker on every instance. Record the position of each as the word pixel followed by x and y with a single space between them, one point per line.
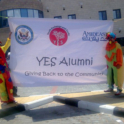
pixel 7 45
pixel 5 48
pixel 6 85
pixel 114 58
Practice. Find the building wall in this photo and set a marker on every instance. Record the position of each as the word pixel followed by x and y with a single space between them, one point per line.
pixel 15 4
pixel 89 11
pixel 4 33
pixel 9 4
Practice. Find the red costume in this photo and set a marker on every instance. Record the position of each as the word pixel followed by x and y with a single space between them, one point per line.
pixel 6 86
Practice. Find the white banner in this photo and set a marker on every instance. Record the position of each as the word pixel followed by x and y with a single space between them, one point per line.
pixel 49 52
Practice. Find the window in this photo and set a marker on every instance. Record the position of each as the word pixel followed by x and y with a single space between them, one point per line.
pixel 10 13
pixel 4 20
pixel 117 14
pixel 121 41
pixel 35 13
pixel 57 17
pixel 17 13
pixel 72 16
pixel 30 13
pixel 102 15
pixel 0 20
pixel 24 13
pixel 40 14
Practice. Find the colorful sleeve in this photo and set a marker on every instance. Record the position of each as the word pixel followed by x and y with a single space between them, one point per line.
pixel 2 65
pixel 6 46
pixel 119 57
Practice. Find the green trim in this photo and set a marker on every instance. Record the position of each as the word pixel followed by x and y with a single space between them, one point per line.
pixel 4 17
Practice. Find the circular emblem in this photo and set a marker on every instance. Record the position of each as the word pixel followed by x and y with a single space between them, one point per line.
pixel 23 34
pixel 58 36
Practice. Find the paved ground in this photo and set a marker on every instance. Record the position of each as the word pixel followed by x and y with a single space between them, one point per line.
pixel 29 91
pixel 22 100
pixel 98 97
pixel 55 113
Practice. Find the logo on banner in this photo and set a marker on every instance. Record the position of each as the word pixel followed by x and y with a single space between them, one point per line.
pixel 58 35
pixel 23 34
pixel 94 36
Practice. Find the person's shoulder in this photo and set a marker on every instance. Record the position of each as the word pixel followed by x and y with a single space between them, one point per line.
pixel 118 45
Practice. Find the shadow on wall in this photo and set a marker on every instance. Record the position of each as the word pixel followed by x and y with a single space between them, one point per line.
pixel 123 49
pixel 121 42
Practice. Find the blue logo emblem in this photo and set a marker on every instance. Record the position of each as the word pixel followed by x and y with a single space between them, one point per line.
pixel 23 34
